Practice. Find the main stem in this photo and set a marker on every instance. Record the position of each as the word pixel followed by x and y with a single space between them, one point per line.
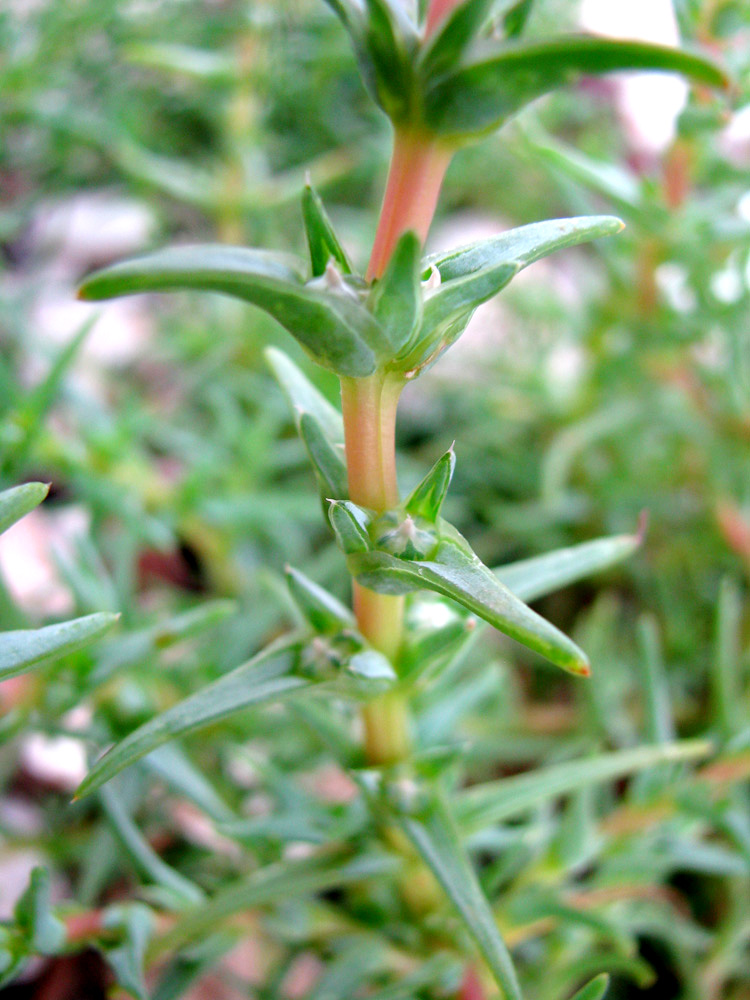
pixel 369 408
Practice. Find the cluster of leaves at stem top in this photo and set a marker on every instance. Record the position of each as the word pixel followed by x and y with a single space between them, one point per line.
pixel 471 72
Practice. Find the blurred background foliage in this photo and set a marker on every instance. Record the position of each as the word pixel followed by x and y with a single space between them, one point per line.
pixel 609 381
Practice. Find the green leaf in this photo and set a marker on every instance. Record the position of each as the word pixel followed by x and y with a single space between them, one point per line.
pixel 18 501
pixel 303 397
pixel 497 801
pixel 349 523
pixel 266 677
pixel 322 241
pixel 456 572
pixel 141 852
pixel 621 186
pixel 44 932
pixel 390 44
pixel 483 94
pixel 172 765
pixel 275 884
pixel 435 838
pixel 332 327
pixel 25 648
pixel 396 299
pixel 324 611
pixel 445 47
pixel 458 297
pixel 327 459
pixel 426 499
pixel 522 246
pixel 319 424
pixel 595 990
pixel 133 648
pixel 530 579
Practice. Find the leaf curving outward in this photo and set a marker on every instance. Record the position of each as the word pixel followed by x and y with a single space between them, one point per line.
pixel 266 677
pixel 330 324
pixel 482 94
pixel 472 274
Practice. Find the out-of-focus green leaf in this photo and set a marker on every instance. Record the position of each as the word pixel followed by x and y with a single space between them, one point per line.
pixel 141 851
pixel 133 923
pixel 277 883
pixel 266 677
pixel 44 932
pixel 595 990
pixel 484 93
pixel 530 579
pixel 496 801
pixel 132 648
pixel 433 834
pixel 23 649
pixel 324 611
pixel 18 501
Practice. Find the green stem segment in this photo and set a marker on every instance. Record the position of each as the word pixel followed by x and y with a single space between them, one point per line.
pixel 369 406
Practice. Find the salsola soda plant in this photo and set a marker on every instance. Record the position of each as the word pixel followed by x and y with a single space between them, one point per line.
pixel 445 76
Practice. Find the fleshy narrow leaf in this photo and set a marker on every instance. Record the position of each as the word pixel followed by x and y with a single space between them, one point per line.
pixel 426 499
pixel 446 46
pixel 349 526
pixel 530 579
pixel 324 611
pixel 15 503
pixel 319 424
pixel 303 397
pixel 332 327
pixel 142 853
pixel 132 648
pixel 322 241
pixel 524 245
pixel 435 838
pixel 25 648
pixel 595 990
pixel 327 459
pixel 390 44
pixel 485 93
pixel 172 765
pixel 266 677
pixel 456 572
pixel 500 800
pixel 459 296
pixel 396 299
pixel 286 880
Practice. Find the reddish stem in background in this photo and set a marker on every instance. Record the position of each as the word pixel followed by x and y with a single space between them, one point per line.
pixel 417 169
pixel 438 11
pixel 471 986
